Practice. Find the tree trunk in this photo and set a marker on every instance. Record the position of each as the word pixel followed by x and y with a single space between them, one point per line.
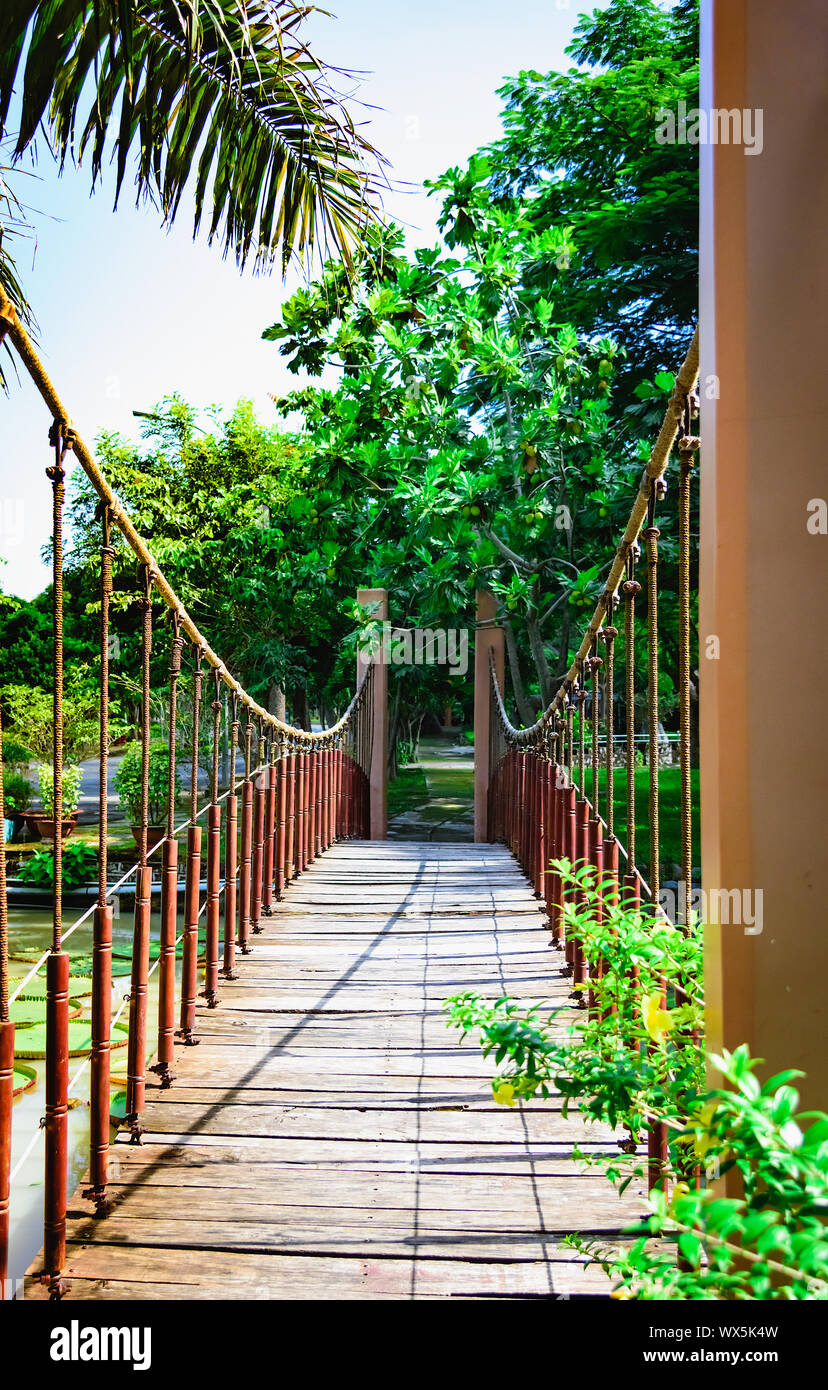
pixel 536 647
pixel 393 732
pixel 526 713
pixel 301 710
pixel 276 701
pixel 563 649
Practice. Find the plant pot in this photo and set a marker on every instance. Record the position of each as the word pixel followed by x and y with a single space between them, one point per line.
pixel 155 834
pixel 30 820
pixel 46 826
pixel 15 823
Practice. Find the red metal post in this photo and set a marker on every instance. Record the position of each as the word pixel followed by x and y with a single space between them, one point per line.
pixel 581 857
pixel 313 808
pixel 570 852
pixel 596 859
pixel 6 1103
pixel 336 823
pixel 99 1058
pixel 211 968
pixel 189 964
pixel 541 856
pixel 290 817
pixel 56 1121
pixel 326 798
pixel 300 809
pixel 269 869
pixel 231 851
pixel 245 884
pixel 259 797
pixel 306 790
pixel 281 825
pixel 137 1045
pixel 166 963
pixel 611 881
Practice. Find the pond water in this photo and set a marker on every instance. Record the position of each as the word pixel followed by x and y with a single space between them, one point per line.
pixel 30 931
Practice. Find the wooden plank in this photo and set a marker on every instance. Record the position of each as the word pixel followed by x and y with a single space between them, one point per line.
pixel 232 1275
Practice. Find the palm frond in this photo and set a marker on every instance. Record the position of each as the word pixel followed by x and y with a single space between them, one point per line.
pixel 221 91
pixel 15 226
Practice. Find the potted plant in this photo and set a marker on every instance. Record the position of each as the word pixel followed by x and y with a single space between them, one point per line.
pixel 128 785
pixel 17 797
pixel 45 818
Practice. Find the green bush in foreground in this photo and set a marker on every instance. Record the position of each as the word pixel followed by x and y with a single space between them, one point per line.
pixel 634 1058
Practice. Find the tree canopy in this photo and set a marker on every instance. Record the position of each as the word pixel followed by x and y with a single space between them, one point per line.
pixel 470 415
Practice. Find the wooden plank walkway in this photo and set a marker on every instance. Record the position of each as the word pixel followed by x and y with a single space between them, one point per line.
pixel 328 1138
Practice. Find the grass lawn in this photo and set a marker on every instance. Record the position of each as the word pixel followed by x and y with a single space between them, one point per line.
pixel 407 790
pixel 669 787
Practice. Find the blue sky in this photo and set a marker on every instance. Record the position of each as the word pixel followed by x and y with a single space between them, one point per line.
pixel 129 313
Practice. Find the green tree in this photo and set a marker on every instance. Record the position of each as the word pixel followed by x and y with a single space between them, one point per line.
pixel 226 513
pixel 582 143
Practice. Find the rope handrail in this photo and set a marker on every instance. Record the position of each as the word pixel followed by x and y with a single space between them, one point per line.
pixel 11 327
pixel 685 384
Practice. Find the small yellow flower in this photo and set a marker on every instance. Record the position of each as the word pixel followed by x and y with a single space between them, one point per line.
pixel 701 1122
pixel 657 1021
pixel 504 1094
pixel 680 1190
pixel 620 1293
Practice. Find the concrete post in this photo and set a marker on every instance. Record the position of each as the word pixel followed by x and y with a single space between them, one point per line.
pixel 764 547
pixel 487 638
pixel 377 599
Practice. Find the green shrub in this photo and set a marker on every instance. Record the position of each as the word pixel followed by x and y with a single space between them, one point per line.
pixel 405 753
pixel 79 866
pixel 633 1059
pixel 72 778
pixel 14 752
pixel 128 781
pixel 17 791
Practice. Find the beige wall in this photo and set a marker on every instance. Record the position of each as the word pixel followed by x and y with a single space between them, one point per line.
pixel 379 747
pixel 764 577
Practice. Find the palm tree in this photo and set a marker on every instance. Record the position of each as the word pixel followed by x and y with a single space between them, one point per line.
pixel 225 91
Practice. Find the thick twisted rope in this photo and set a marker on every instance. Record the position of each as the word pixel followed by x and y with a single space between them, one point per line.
pixel 62 439
pixel 103 752
pixel 176 646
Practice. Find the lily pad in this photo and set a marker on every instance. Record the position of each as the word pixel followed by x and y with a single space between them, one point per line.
pixel 26 1012
pixel 117 1107
pixel 32 1041
pixel 80 967
pixel 23 1078
pixel 154 952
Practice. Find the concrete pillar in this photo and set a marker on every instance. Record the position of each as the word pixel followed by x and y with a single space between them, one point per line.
pixel 377 602
pixel 763 572
pixel 487 638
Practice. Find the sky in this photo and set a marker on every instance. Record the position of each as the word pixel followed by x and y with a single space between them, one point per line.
pixel 129 313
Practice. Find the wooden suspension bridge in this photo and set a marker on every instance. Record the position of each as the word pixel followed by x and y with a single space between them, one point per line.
pixel 328 1138
pixel 308 1126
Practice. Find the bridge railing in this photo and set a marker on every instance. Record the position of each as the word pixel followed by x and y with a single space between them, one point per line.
pixel 299 791
pixel 538 802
